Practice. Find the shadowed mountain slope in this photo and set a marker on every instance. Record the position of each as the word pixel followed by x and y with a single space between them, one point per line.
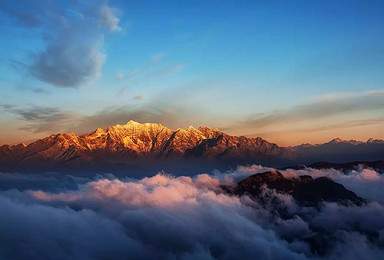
pixel 304 190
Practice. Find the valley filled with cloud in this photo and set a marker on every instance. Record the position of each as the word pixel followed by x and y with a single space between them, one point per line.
pixel 187 217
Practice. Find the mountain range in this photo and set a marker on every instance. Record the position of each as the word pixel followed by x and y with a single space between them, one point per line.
pixel 135 145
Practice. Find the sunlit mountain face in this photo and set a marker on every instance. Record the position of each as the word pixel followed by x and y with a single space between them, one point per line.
pixel 191 130
pixel 136 148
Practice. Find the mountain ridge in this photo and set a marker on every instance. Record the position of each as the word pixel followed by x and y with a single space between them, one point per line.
pixel 136 141
pixel 201 128
pixel 133 143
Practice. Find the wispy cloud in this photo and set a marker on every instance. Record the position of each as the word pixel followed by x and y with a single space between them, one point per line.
pixel 134 72
pixel 38 119
pixel 316 128
pixel 326 107
pixel 152 69
pixel 139 97
pixel 175 69
pixel 157 57
pixel 43 119
pixel 119 74
pixel 36 90
pixel 170 117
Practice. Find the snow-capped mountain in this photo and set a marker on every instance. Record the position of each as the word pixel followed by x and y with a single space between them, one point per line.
pixel 138 144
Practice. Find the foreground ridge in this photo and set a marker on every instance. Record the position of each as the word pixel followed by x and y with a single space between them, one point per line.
pixel 304 189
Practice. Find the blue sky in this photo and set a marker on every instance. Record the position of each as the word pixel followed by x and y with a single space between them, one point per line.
pixel 288 71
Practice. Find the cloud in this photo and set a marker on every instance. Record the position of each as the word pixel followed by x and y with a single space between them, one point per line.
pixel 175 69
pixel 182 218
pixel 40 91
pixel 61 233
pixel 119 74
pixel 241 172
pixel 157 57
pixel 74 39
pixel 40 119
pixel 347 124
pixel 111 116
pixel 122 114
pixel 108 18
pixel 43 119
pixel 23 15
pixel 68 63
pixel 169 217
pixel 139 97
pixel 151 70
pixel 134 72
pixel 342 125
pixel 47 181
pixel 325 107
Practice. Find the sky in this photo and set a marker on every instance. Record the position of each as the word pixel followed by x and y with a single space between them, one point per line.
pixel 290 72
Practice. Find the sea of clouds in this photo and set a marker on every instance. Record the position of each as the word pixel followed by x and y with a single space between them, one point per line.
pixel 52 216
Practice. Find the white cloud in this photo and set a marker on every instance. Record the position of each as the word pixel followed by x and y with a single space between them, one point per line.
pixel 119 74
pixel 139 97
pixel 157 57
pixel 108 18
pixel 72 31
pixel 182 217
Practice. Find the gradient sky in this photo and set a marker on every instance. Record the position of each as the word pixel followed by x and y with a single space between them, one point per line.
pixel 289 71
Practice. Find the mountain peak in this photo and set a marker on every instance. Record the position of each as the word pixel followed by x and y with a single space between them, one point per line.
pixel 337 140
pixel 374 141
pixel 131 122
pixel 134 141
pixel 134 126
pixel 137 124
pixel 209 132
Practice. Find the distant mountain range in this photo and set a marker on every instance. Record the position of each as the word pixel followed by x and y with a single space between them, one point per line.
pixel 377 166
pixel 134 145
pixel 339 151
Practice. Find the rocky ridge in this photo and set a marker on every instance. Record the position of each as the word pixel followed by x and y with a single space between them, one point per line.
pixel 304 189
pixel 136 142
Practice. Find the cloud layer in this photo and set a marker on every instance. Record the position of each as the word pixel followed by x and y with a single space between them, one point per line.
pixel 165 217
